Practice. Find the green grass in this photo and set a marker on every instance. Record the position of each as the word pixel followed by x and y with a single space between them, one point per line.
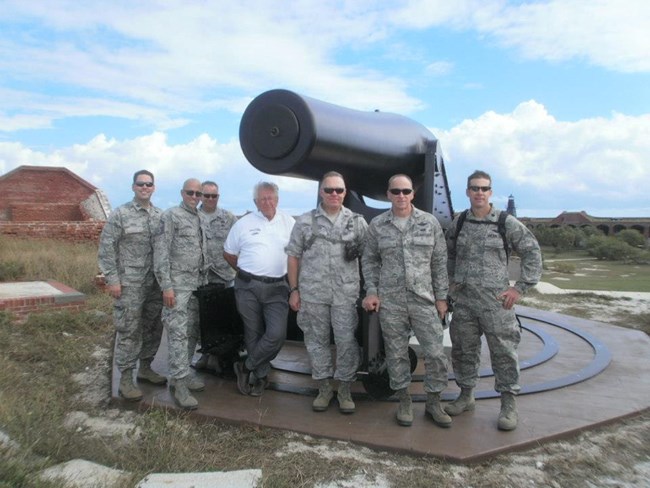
pixel 74 264
pixel 592 274
pixel 551 253
pixel 601 275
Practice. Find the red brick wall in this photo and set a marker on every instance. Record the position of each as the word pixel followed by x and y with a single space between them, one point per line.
pixel 21 307
pixel 48 212
pixel 25 191
pixel 66 231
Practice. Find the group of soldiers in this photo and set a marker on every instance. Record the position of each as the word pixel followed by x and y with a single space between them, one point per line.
pixel 152 262
pixel 315 265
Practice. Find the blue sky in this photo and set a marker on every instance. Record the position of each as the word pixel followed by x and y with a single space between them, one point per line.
pixel 552 98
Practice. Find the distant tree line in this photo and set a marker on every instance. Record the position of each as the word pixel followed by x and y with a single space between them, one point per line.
pixel 627 245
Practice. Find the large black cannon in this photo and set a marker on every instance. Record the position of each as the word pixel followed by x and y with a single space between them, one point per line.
pixel 283 133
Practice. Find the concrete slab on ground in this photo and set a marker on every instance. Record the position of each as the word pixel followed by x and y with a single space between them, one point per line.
pixel 24 297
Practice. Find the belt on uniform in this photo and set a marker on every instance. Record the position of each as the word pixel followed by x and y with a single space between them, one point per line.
pixel 246 277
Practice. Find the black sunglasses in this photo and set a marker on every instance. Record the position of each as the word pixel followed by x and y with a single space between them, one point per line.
pixel 484 189
pixel 210 195
pixel 403 191
pixel 338 191
pixel 191 193
pixel 148 184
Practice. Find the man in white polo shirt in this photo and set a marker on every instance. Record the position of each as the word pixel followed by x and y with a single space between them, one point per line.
pixel 255 248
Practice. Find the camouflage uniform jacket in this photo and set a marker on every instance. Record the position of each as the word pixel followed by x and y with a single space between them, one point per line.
pixel 216 226
pixel 325 275
pixel 126 244
pixel 415 260
pixel 477 256
pixel 178 249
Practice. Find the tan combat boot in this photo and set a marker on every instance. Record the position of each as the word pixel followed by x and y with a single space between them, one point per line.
pixel 194 383
pixel 508 416
pixel 405 410
pixel 325 394
pixel 127 388
pixel 145 373
pixel 463 403
pixel 181 394
pixel 433 408
pixel 344 397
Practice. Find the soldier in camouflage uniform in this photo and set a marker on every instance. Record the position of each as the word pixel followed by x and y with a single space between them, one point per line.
pixel 126 259
pixel 404 266
pixel 323 273
pixel 216 225
pixel 178 264
pixel 484 299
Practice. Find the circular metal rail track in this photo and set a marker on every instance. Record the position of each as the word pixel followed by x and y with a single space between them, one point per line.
pixel 601 359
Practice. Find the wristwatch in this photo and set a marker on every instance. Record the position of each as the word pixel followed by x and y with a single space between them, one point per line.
pixel 293 288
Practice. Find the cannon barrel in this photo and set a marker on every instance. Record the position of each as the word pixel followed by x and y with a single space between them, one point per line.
pixel 283 133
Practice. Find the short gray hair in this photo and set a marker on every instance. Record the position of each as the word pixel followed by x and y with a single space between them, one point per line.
pixel 265 185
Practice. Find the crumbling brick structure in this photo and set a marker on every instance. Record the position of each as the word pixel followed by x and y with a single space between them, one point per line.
pixel 52 202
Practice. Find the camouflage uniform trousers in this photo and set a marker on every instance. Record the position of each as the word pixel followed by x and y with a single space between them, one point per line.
pixel 183 333
pixel 314 320
pixel 136 315
pixel 477 312
pixel 398 315
pixel 264 309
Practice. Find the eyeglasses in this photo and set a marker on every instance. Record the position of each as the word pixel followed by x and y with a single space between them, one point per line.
pixel 476 189
pixel 148 184
pixel 210 195
pixel 338 191
pixel 403 191
pixel 191 193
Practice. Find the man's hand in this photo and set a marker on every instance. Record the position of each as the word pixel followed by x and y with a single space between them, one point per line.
pixel 441 306
pixel 114 290
pixel 294 300
pixel 169 298
pixel 371 303
pixel 509 297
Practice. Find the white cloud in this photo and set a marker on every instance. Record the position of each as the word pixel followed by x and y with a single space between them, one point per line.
pixel 165 64
pixel 613 34
pixel 148 57
pixel 162 62
pixel 108 163
pixel 603 161
pixel 592 164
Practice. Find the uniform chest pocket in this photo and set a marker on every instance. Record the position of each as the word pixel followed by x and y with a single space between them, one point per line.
pixel 387 243
pixel 187 230
pixel 134 229
pixel 493 240
pixel 423 241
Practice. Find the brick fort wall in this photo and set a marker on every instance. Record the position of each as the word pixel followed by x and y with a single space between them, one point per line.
pixel 66 231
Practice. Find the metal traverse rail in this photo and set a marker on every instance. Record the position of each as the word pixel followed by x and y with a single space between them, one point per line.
pixel 601 359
